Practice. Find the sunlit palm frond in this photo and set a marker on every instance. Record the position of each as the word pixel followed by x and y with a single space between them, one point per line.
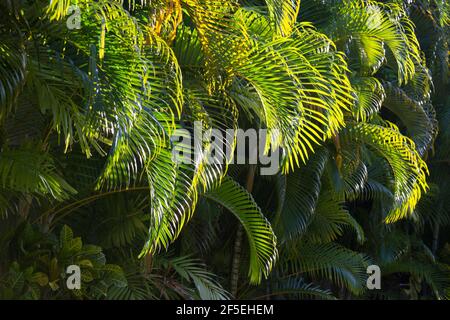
pixel 408 169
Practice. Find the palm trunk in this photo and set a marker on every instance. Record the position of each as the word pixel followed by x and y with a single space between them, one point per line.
pixel 236 260
pixel 239 237
pixel 435 243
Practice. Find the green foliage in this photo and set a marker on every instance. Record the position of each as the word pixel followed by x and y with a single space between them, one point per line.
pixel 40 271
pixel 353 93
pixel 261 239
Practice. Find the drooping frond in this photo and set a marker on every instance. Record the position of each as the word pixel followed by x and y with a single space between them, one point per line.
pixel 261 239
pixel 296 287
pixel 418 117
pixel 13 62
pixel 408 169
pixel 376 27
pixel 306 105
pixel 369 97
pixel 330 219
pixel 223 39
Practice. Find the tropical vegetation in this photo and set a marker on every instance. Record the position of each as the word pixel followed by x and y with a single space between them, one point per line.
pixel 354 93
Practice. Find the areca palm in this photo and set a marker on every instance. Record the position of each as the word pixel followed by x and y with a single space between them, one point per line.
pixel 100 105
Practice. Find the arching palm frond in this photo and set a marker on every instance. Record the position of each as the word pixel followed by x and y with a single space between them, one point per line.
pixel 374 27
pixel 192 270
pixel 408 169
pixel 261 239
pixel 296 288
pixel 330 219
pixel 13 63
pixel 311 94
pixel 370 95
pixel 418 117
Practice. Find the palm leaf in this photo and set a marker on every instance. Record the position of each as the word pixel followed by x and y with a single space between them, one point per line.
pixel 261 239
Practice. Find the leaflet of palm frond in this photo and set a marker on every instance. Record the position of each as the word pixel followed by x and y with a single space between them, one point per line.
pixel 257 23
pixel 261 238
pixel 58 9
pixel 328 94
pixel 225 45
pixel 391 246
pixel 317 11
pixel 426 24
pixel 204 229
pixel 408 169
pixel 331 261
pixel 148 99
pixel 122 37
pixel 283 14
pixel 432 31
pixel 29 169
pixel 373 26
pixel 147 96
pixel 50 90
pixel 433 209
pixel 218 116
pixel 163 16
pixel 330 219
pixel 135 144
pixel 439 10
pixel 369 97
pixel 104 11
pixel 334 87
pixel 118 90
pixel 139 286
pixel 418 117
pixel 421 85
pixel 174 186
pixel 299 192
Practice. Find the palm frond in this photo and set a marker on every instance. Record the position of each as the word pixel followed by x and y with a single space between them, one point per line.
pixel 300 193
pixel 408 169
pixel 192 270
pixel 261 239
pixel 31 170
pixel 331 261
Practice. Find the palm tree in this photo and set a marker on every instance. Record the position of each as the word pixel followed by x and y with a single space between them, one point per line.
pixel 87 116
